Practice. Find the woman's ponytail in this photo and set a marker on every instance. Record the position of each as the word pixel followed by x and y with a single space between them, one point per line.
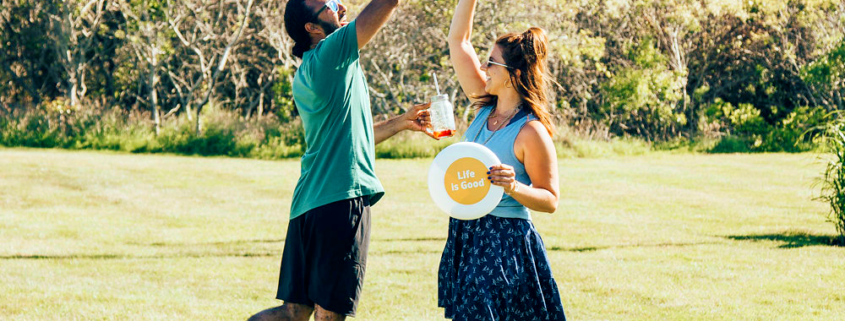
pixel 526 55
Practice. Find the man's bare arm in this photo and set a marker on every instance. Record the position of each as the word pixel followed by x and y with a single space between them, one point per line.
pixel 372 18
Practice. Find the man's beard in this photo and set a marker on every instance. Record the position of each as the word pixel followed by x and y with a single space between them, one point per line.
pixel 328 27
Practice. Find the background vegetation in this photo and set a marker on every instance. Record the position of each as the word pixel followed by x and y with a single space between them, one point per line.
pixel 213 77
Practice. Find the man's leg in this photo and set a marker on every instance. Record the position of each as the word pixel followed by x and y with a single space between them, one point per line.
pixel 340 256
pixel 285 312
pixel 324 260
pixel 292 279
pixel 321 314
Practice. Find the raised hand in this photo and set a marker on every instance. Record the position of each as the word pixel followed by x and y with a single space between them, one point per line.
pixel 418 118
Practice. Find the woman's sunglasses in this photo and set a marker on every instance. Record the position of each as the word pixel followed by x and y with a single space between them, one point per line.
pixel 491 62
pixel 334 5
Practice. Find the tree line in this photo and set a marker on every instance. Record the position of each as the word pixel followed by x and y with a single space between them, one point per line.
pixel 765 72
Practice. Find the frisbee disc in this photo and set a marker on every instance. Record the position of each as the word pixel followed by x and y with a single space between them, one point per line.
pixel 458 184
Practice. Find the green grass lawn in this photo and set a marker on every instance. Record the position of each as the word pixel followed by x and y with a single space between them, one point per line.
pixel 106 236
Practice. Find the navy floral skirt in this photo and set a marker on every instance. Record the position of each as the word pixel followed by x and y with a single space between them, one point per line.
pixel 496 269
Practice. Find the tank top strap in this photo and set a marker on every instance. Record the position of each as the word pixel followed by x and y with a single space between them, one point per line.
pixel 478 124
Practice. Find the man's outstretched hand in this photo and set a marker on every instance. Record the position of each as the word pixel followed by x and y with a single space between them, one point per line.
pixel 418 118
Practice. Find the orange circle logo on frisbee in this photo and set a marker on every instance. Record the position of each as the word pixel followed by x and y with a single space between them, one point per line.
pixel 466 181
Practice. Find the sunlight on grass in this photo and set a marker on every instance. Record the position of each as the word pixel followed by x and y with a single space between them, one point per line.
pixel 659 236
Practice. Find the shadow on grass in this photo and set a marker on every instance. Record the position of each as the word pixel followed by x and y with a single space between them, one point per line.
pixel 185 255
pixel 234 242
pixel 199 254
pixel 413 239
pixel 598 248
pixel 133 257
pixel 792 239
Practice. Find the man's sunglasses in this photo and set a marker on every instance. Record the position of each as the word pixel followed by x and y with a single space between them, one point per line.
pixel 334 5
pixel 491 62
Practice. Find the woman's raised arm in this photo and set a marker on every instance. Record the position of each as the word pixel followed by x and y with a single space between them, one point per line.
pixel 462 53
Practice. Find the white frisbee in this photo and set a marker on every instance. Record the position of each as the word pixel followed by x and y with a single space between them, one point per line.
pixel 458 184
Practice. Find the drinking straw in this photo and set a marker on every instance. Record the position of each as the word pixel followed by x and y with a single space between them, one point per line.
pixel 436 86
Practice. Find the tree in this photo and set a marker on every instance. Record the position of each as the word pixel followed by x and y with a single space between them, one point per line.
pixel 146 29
pixel 73 27
pixel 280 79
pixel 202 30
pixel 28 67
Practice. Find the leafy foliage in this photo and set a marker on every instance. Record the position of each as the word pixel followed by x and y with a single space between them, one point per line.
pixel 659 70
pixel 833 181
pixel 113 129
pixel 642 99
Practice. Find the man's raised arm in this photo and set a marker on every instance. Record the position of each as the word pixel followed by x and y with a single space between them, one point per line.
pixel 372 18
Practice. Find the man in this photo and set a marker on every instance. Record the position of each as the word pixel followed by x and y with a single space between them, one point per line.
pixel 325 250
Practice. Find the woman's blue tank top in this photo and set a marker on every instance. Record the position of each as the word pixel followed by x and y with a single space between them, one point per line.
pixel 502 145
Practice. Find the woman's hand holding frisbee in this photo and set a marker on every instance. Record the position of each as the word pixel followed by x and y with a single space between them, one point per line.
pixel 504 176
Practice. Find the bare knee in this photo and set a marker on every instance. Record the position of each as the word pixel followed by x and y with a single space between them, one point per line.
pixel 285 312
pixel 321 314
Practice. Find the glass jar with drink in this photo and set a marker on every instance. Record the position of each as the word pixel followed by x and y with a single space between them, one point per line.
pixel 442 114
pixel 442 117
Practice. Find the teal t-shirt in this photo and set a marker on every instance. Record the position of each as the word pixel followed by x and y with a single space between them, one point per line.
pixel 332 98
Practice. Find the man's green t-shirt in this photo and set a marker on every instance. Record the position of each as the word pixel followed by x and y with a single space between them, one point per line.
pixel 332 98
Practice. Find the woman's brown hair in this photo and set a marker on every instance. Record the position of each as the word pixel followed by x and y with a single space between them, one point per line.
pixel 525 54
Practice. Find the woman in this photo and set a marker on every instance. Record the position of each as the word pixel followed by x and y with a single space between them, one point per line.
pixel 495 267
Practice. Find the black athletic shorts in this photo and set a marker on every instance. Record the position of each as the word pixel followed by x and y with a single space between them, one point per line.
pixel 325 256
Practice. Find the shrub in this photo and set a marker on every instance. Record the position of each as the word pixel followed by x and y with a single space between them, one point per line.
pixel 833 180
pixel 643 99
pixel 797 132
pixel 733 144
pixel 226 134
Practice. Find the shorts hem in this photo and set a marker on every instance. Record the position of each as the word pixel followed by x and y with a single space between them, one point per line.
pixel 329 308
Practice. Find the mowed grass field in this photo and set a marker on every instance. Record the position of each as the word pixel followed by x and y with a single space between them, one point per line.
pixel 105 236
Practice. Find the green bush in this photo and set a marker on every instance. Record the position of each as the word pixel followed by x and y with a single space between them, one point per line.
pixel 797 132
pixel 283 94
pixel 226 133
pixel 833 180
pixel 733 144
pixel 826 74
pixel 747 131
pixel 643 99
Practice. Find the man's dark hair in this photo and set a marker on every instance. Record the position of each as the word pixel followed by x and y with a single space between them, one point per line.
pixel 297 14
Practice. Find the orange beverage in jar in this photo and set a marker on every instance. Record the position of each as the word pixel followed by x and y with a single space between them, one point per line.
pixel 442 117
pixel 443 133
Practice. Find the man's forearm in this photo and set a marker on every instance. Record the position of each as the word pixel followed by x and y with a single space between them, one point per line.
pixel 386 129
pixel 372 18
